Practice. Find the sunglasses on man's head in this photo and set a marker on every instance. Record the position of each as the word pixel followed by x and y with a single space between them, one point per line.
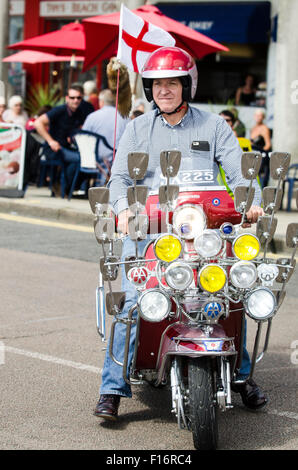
pixel 75 97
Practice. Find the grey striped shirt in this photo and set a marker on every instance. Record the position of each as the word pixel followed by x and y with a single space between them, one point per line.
pixel 152 134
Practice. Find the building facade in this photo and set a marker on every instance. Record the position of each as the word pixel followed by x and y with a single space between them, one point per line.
pixel 261 37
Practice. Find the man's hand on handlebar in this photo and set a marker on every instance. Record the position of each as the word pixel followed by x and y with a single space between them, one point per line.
pixel 122 226
pixel 252 215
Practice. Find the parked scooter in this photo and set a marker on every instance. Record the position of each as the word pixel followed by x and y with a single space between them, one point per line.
pixel 199 276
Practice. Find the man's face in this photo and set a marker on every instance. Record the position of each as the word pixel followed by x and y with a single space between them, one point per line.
pixel 73 99
pixel 167 93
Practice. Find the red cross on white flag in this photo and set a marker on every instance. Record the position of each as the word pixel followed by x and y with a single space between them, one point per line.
pixel 138 39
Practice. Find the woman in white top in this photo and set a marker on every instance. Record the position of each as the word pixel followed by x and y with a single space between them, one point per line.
pixel 15 113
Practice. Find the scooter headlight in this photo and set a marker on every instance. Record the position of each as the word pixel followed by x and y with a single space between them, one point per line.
pixel 154 305
pixel 189 221
pixel 246 247
pixel 260 304
pixel 167 248
pixel 212 278
pixel 179 275
pixel 243 274
pixel 208 244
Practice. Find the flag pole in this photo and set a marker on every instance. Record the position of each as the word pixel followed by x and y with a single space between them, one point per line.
pixel 117 94
pixel 118 75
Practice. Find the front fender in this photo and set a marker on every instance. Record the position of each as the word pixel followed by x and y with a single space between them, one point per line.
pixel 181 339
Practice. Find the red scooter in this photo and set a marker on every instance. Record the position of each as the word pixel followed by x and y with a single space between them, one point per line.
pixel 199 276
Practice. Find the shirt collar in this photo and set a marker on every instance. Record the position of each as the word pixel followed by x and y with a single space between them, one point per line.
pixel 183 121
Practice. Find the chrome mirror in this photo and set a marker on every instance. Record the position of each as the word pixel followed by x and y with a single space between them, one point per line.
pixel 251 164
pixel 109 271
pixel 170 163
pixel 137 197
pixel 115 302
pixel 292 235
pixel 266 227
pixel 271 199
pixel 243 198
pixel 98 199
pixel 137 165
pixel 168 194
pixel 279 164
pixel 138 227
pixel 104 229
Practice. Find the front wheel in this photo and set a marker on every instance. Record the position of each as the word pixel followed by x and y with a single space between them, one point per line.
pixel 202 404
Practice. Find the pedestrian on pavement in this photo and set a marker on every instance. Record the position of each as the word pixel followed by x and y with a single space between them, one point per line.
pixel 2 107
pixel 58 125
pixel 102 122
pixel 15 113
pixel 170 79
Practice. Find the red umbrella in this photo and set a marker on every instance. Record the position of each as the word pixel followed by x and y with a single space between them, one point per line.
pixel 70 38
pixel 106 28
pixel 36 57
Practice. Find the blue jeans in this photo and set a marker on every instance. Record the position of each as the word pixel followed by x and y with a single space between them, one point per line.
pixel 112 375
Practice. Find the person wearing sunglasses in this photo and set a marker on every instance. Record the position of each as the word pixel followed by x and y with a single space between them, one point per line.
pixel 58 125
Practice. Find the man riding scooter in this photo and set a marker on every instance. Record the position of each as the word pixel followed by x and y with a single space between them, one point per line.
pixel 170 80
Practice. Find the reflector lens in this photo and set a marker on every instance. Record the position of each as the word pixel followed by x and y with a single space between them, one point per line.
pixel 260 304
pixel 168 248
pixel 212 278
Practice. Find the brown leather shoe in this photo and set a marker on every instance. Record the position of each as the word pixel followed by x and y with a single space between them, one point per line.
pixel 252 396
pixel 107 407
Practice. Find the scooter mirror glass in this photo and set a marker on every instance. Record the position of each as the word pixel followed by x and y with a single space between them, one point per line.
pixel 270 194
pixel 266 228
pixel 251 164
pixel 279 164
pixel 98 196
pixel 292 235
pixel 137 165
pixel 115 302
pixel 137 197
pixel 168 193
pixel 109 272
pixel 170 163
pixel 138 227
pixel 243 198
pixel 104 229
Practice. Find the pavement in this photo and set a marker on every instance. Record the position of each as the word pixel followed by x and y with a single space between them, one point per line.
pixel 38 203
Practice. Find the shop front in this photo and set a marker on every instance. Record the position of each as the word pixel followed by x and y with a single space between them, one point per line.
pixel 29 18
pixel 244 27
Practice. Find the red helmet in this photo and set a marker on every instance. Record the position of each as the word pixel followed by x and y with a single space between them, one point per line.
pixel 168 62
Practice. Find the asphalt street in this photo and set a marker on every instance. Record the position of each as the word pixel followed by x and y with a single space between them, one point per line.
pixel 52 357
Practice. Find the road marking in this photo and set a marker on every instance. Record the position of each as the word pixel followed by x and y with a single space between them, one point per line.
pixel 45 223
pixel 283 414
pixel 53 359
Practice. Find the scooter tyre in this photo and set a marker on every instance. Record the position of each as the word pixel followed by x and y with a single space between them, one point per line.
pixel 202 406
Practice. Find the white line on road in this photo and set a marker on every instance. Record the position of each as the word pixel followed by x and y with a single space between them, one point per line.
pixel 55 360
pixel 283 414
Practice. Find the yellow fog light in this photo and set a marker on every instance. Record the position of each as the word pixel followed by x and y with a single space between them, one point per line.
pixel 246 247
pixel 212 278
pixel 168 248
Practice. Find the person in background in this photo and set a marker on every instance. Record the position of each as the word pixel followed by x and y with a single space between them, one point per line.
pixel 58 125
pixel 229 118
pixel 102 122
pixel 238 125
pixel 91 94
pixel 246 94
pixel 261 142
pixel 2 107
pixel 15 113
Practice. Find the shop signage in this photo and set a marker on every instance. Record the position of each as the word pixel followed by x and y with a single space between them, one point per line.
pixel 17 7
pixel 78 9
